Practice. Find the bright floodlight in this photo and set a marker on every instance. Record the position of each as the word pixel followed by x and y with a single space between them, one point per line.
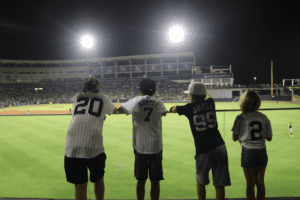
pixel 87 41
pixel 176 34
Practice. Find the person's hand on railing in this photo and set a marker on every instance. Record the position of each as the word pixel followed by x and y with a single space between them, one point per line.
pixel 115 111
pixel 120 110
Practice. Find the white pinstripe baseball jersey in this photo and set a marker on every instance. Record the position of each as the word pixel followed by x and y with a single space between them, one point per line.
pixel 147 124
pixel 84 135
pixel 252 128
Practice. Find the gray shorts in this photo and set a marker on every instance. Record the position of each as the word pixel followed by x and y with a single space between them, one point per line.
pixel 217 160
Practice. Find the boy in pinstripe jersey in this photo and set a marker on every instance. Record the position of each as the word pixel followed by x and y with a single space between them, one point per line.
pixel 147 137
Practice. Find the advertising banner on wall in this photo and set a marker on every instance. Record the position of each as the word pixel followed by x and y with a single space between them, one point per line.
pixel 281 98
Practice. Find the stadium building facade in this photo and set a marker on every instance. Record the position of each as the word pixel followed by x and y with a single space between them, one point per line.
pixel 44 81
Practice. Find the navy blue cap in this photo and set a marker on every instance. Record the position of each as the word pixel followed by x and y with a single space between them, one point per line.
pixel 147 86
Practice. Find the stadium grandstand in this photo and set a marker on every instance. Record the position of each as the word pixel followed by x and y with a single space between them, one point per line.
pixel 24 82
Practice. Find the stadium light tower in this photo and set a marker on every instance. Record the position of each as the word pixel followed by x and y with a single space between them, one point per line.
pixel 87 41
pixel 176 34
pixel 87 44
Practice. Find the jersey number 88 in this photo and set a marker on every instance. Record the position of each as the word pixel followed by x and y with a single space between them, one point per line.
pixel 206 121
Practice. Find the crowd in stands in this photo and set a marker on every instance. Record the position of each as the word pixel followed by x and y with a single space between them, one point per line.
pixel 14 93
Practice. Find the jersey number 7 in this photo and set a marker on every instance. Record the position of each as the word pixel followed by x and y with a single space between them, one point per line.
pixel 147 119
pixel 85 103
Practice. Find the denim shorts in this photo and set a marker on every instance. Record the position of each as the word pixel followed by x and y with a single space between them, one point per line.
pixel 254 158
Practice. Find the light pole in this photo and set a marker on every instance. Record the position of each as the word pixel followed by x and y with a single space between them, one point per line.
pixel 176 35
pixel 87 44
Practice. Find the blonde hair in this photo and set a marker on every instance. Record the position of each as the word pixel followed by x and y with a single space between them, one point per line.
pixel 250 101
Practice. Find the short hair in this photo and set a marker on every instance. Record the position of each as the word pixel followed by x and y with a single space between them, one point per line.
pixel 91 84
pixel 199 98
pixel 250 101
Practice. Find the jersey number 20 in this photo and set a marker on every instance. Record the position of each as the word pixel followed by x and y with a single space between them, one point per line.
pixel 202 125
pixel 85 103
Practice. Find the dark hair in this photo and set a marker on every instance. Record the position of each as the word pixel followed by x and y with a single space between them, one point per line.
pixel 250 101
pixel 199 98
pixel 92 85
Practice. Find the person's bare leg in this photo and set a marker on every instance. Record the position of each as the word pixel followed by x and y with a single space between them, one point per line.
pixel 260 184
pixel 80 191
pixel 201 191
pixel 251 180
pixel 155 190
pixel 220 192
pixel 250 192
pixel 140 190
pixel 99 189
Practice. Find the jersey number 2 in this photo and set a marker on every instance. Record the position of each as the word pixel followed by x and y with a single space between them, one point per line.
pixel 257 131
pixel 85 103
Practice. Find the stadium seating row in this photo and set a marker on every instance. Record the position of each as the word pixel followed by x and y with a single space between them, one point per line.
pixel 14 93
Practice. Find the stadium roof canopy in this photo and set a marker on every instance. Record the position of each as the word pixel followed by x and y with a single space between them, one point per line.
pixel 112 59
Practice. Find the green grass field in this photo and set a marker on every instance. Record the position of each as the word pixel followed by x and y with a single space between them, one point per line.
pixel 32 156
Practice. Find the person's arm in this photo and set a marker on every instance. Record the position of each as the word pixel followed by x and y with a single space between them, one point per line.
pixel 111 107
pixel 163 109
pixel 235 129
pixel 128 106
pixel 120 110
pixel 269 130
pixel 181 110
pixel 235 137
pixel 115 111
pixel 173 109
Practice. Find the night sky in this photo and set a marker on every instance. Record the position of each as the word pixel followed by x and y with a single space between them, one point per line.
pixel 245 34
